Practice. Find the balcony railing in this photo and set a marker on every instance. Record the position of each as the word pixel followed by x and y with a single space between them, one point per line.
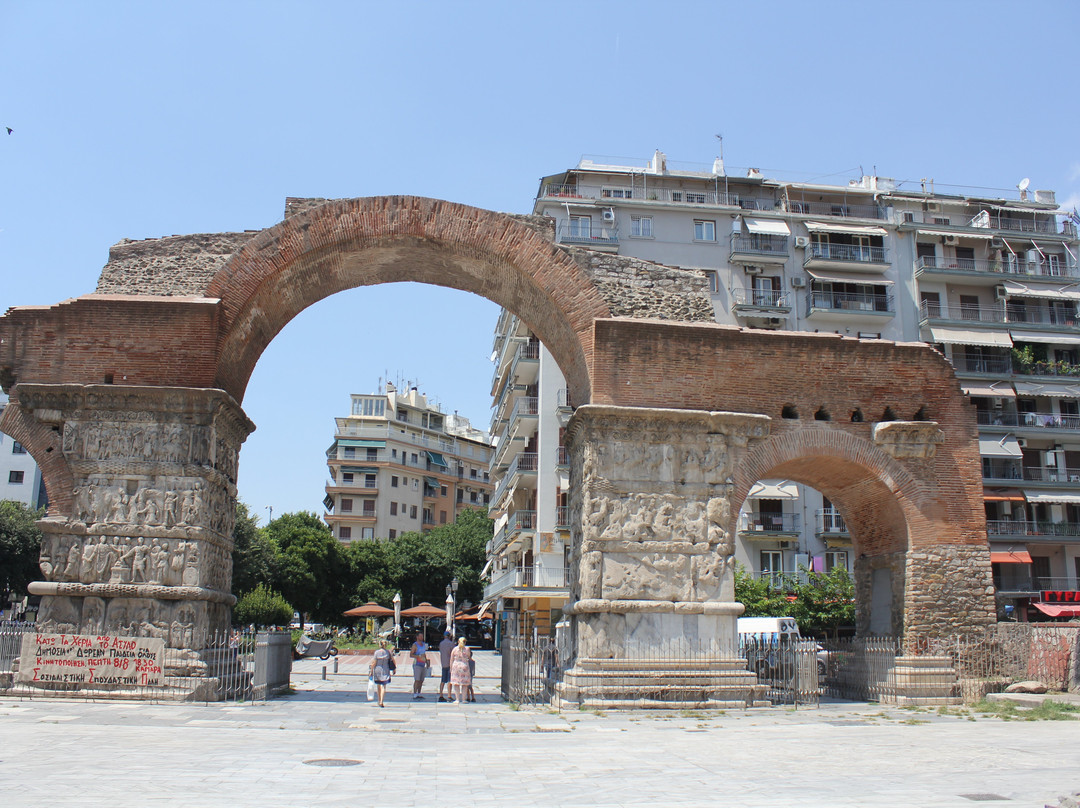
pixel 843 210
pixel 576 234
pixel 524 407
pixel 536 577
pixel 759 244
pixel 850 302
pixel 973 363
pixel 562 457
pixel 383 432
pixel 562 516
pixel 998 222
pixel 678 196
pixel 848 253
pixel 519 521
pixel 929 310
pixel 830 522
pixel 769 523
pixel 523 463
pixel 1040 315
pixel 1025 583
pixel 1049 269
pixel 760 298
pixel 1045 368
pixel 1012 471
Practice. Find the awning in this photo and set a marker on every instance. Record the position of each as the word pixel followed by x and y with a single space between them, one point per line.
pixel 851 229
pixel 780 490
pixel 432 482
pixel 1052 497
pixel 1010 557
pixel 437 459
pixel 1004 391
pixel 360 469
pixel 1044 336
pixel 770 227
pixel 848 277
pixel 1053 610
pixel 1003 495
pixel 371 444
pixel 924 232
pixel 1004 447
pixel 1069 292
pixel 1049 390
pixel 960 336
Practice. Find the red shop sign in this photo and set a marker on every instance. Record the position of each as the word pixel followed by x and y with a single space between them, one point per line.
pixel 1060 596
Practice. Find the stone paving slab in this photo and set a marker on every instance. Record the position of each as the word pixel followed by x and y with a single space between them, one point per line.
pixel 488 754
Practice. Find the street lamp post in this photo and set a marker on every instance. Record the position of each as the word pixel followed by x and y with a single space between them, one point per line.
pixel 397 619
pixel 451 596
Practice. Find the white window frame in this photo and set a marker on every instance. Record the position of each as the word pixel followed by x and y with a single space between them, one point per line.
pixel 641 227
pixel 705 230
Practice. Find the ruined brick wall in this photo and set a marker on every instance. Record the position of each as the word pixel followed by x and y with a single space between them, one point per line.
pixel 641 289
pixel 175 266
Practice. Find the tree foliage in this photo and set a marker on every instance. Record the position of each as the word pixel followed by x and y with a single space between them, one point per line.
pixel 263 607
pixel 821 604
pixel 298 556
pixel 20 548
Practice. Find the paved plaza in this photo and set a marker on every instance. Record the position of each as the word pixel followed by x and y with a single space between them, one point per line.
pixel 290 751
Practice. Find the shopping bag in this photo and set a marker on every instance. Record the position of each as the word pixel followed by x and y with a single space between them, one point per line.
pixel 371 688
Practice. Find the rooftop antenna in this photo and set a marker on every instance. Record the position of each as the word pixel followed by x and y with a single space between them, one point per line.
pixel 1022 186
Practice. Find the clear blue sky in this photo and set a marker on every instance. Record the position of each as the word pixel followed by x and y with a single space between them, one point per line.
pixel 137 120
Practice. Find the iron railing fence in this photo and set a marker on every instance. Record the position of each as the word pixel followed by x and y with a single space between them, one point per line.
pixel 786 668
pixel 235 666
pixel 851 253
pixel 857 669
pixel 530 670
pixel 823 300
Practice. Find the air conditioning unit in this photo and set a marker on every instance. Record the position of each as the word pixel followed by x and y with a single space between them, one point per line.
pixel 999 403
pixel 1006 508
pixel 802 241
pixel 951 240
pixel 608 215
pixel 997 243
pixel 753 270
pixel 1021 442
pixel 798 282
pixel 1000 293
pixel 785 545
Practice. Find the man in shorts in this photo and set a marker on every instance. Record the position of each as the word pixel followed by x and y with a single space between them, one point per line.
pixel 445 649
pixel 418 652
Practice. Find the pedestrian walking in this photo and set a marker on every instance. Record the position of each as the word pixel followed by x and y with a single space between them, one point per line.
pixel 382 666
pixel 421 665
pixel 460 673
pixel 446 648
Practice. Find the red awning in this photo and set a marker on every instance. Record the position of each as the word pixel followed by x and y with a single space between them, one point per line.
pixel 1006 495
pixel 1053 610
pixel 1011 557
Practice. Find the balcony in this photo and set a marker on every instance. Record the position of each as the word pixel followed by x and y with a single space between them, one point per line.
pixel 526 578
pixel 1013 225
pixel 1063 317
pixel 824 254
pixel 656 194
pixel 961 313
pixel 969 267
pixel 1009 471
pixel 758 248
pixel 1022 368
pixel 764 525
pixel 592 237
pixel 831 523
pixel 1029 586
pixel 562 457
pixel 982 363
pixel 836 209
pixel 523 466
pixel 562 517
pixel 850 303
pixel 447 445
pixel 755 300
pixel 523 417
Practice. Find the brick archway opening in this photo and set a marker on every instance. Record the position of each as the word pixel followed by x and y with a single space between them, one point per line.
pixel 888 511
pixel 350 243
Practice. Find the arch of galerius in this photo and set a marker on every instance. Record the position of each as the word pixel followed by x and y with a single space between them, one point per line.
pixel 129 398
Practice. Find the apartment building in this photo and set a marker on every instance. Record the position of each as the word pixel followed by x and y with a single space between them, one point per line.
pixel 398 464
pixel 20 477
pixel 991 281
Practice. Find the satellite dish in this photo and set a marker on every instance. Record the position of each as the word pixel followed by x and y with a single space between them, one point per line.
pixel 1023 184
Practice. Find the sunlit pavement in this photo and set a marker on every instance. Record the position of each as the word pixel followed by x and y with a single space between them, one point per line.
pixel 327 745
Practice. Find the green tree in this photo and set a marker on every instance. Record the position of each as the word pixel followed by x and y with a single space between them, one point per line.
pixel 760 596
pixel 263 607
pixel 20 548
pixel 312 570
pixel 825 602
pixel 255 556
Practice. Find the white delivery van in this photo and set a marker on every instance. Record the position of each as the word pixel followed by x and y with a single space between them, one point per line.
pixel 785 627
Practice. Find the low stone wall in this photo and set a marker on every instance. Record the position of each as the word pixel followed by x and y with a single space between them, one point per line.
pixel 174 266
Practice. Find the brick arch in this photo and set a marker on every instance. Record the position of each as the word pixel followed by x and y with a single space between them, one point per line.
pixel 43 443
pixel 887 508
pixel 357 242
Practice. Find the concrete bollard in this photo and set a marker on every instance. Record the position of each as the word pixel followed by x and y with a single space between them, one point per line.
pixel 324 671
pixel 335 664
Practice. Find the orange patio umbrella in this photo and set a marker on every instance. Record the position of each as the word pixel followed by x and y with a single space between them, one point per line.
pixel 370 609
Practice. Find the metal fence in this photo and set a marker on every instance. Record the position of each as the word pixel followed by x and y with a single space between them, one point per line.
pixel 236 666
pixel 530 670
pixel 857 669
pixel 787 669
